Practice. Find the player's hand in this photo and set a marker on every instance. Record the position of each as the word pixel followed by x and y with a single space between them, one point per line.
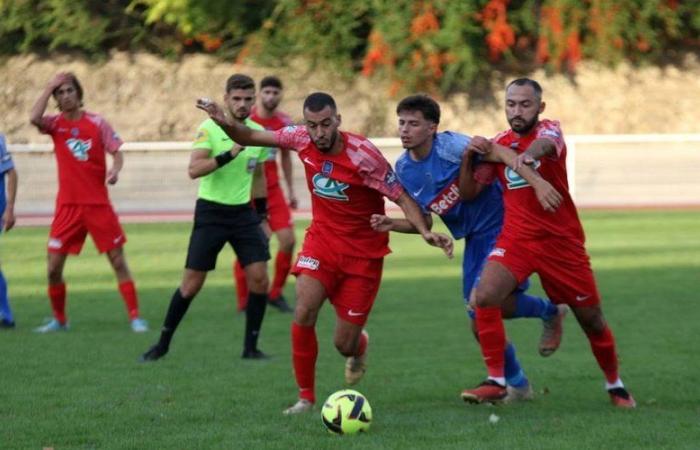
pixel 293 201
pixel 381 223
pixel 440 240
pixel 522 160
pixel 479 144
pixel 8 219
pixel 549 198
pixel 112 176
pixel 212 108
pixel 58 79
pixel 265 225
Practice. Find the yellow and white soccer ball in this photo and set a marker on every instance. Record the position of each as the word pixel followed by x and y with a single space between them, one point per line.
pixel 346 412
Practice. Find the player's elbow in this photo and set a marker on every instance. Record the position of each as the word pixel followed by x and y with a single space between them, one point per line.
pixel 193 173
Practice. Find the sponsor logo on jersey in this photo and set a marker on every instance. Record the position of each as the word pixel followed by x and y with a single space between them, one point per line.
pixel 250 166
pixel 202 136
pixel 307 262
pixel 390 179
pixel 514 180
pixel 498 251
pixel 79 148
pixel 329 188
pixel 446 199
pixel 327 168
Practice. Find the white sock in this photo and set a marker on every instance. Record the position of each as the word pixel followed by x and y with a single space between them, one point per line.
pixel 499 380
pixel 616 384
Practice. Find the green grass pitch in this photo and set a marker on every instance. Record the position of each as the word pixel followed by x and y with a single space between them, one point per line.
pixel 84 389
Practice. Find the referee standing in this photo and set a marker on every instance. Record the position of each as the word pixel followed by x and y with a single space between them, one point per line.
pixel 229 174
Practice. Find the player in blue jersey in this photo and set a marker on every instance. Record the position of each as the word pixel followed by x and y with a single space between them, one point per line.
pixel 429 170
pixel 7 212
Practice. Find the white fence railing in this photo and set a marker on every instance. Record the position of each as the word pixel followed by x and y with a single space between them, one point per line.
pixel 604 171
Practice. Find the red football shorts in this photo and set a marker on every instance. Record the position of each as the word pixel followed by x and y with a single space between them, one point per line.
pixel 562 264
pixel 71 223
pixel 279 215
pixel 351 282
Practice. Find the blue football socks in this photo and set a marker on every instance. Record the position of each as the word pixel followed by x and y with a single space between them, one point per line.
pixel 531 306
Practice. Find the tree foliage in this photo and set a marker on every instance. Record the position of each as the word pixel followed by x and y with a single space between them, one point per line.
pixel 435 46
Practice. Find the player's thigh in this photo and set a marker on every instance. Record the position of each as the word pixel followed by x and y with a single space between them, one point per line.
pixel 103 225
pixel 249 243
pixel 310 295
pixel 206 241
pixel 566 274
pixel 68 230
pixel 356 292
pixel 279 215
pixel 476 252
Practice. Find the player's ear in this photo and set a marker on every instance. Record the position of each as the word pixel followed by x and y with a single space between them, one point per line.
pixel 338 119
pixel 542 106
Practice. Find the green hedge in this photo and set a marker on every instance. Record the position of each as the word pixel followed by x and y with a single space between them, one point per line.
pixel 435 46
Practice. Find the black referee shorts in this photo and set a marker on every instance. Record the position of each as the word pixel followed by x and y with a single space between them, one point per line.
pixel 215 225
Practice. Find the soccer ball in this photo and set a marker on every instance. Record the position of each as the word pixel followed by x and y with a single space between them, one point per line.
pixel 346 412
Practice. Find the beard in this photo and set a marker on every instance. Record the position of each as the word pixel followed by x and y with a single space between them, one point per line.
pixel 520 126
pixel 329 147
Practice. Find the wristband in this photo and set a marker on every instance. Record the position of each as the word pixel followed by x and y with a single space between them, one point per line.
pixel 261 207
pixel 223 158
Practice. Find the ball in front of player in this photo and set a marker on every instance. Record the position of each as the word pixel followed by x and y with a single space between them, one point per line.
pixel 346 412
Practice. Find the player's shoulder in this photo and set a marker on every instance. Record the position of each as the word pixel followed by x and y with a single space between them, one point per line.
pixel 356 141
pixel 284 118
pixel 95 118
pixel 553 126
pixel 504 136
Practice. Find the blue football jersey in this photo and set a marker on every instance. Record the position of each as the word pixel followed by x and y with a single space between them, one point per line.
pixel 5 165
pixel 434 184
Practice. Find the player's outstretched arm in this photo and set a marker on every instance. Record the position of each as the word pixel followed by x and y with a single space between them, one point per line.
pixel 8 217
pixel 42 102
pixel 382 223
pixel 417 219
pixel 234 129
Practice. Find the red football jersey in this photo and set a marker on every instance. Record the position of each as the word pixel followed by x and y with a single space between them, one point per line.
pixel 80 148
pixel 524 216
pixel 346 189
pixel 277 121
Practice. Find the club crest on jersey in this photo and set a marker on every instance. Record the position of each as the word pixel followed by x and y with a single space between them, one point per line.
pixel 446 199
pixel 514 180
pixel 79 148
pixel 327 168
pixel 74 131
pixel 390 178
pixel 329 188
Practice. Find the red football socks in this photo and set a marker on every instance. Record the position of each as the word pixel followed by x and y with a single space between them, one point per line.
pixel 283 264
pixel 603 347
pixel 241 286
pixel 131 300
pixel 304 353
pixel 492 339
pixel 57 295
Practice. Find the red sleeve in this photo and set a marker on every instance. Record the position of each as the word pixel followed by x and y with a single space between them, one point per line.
pixel 485 173
pixel 374 169
pixel 550 129
pixel 48 124
pixel 292 138
pixel 110 139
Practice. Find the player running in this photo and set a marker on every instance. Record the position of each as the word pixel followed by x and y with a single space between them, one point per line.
pixel 81 140
pixel 279 216
pixel 429 170
pixel 223 214
pixel 342 256
pixel 8 193
pixel 532 240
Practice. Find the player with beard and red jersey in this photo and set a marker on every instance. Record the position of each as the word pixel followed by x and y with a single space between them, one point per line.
pixel 279 215
pixel 533 240
pixel 81 140
pixel 342 256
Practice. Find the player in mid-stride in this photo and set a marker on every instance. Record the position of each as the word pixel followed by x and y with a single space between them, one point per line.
pixel 533 240
pixel 81 139
pixel 342 256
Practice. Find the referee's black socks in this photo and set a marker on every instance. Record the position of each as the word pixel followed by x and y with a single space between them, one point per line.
pixel 176 311
pixel 254 313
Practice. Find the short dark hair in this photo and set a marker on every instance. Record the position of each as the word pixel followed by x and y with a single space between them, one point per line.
pixel 271 81
pixel 76 84
pixel 423 103
pixel 319 100
pixel 527 82
pixel 239 81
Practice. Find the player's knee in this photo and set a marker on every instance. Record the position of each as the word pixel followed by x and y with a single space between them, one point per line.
pixel 345 347
pixel 592 321
pixel 303 315
pixel 485 297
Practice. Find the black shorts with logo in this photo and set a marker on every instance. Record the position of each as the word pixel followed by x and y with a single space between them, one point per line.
pixel 216 224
